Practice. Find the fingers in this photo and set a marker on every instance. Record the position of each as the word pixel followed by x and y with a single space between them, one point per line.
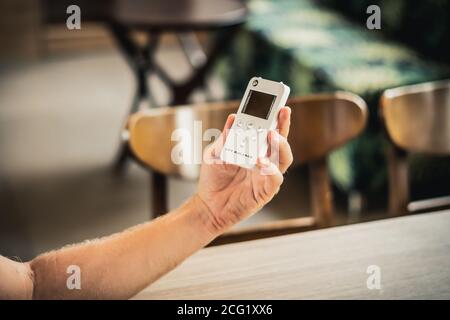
pixel 284 121
pixel 280 150
pixel 274 177
pixel 225 131
pixel 228 124
pixel 216 147
pixel 223 136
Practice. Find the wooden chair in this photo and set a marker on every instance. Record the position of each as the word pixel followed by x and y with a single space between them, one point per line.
pixel 320 124
pixel 416 120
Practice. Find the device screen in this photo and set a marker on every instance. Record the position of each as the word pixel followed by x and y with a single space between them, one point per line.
pixel 258 104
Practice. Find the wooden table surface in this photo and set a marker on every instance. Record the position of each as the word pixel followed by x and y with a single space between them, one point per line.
pixel 412 252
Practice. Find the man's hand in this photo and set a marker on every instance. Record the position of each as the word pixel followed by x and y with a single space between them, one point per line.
pixel 226 195
pixel 230 193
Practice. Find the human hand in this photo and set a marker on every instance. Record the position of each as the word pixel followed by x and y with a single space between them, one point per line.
pixel 230 193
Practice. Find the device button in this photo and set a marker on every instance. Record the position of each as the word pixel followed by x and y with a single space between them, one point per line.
pixel 260 129
pixel 249 125
pixel 239 123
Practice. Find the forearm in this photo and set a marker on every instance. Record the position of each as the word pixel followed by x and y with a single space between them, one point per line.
pixel 119 266
pixel 15 280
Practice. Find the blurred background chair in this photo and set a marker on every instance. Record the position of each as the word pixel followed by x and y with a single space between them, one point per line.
pixel 152 142
pixel 320 124
pixel 324 46
pixel 416 120
pixel 312 45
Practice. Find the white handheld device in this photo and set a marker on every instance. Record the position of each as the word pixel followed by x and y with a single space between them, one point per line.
pixel 257 114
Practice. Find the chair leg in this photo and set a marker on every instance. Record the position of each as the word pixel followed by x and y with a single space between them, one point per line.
pixel 321 193
pixel 124 150
pixel 159 190
pixel 355 206
pixel 181 92
pixel 121 158
pixel 398 181
pixel 141 62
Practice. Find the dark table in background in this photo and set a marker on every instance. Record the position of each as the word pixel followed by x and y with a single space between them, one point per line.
pixel 155 17
pixel 221 17
pixel 180 17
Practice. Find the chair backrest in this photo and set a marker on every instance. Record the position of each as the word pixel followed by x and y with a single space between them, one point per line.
pixel 324 122
pixel 417 117
pixel 320 123
pixel 156 133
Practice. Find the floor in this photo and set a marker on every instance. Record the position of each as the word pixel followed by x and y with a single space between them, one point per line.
pixel 60 121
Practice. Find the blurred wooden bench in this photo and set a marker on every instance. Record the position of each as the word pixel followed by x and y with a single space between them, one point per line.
pixel 320 124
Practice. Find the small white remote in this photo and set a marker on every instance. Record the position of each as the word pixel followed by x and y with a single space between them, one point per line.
pixel 257 114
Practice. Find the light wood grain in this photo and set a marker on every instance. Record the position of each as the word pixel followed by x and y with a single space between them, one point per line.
pixel 413 253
